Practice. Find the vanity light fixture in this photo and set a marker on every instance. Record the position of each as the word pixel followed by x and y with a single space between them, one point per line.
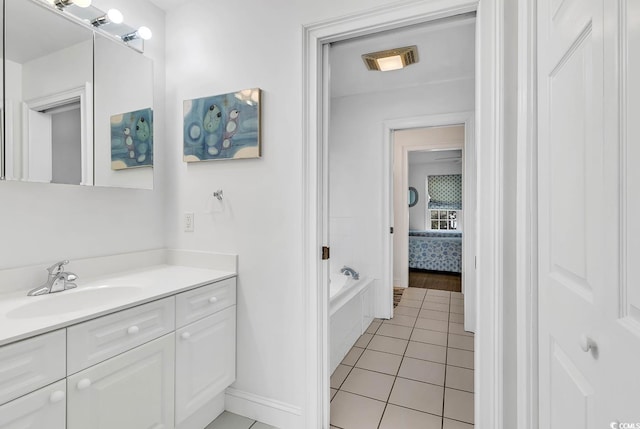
pixel 61 4
pixel 112 15
pixel 143 33
pixel 391 59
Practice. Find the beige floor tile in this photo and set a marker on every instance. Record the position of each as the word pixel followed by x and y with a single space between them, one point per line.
pixel 455 317
pixel 458 329
pixel 373 327
pixel 401 320
pixel 458 295
pixel 457 301
pixel 352 357
pixel 406 311
pixel 403 418
pixel 459 378
pixel 259 425
pixel 458 405
pixel 438 299
pixel 379 361
pixel 380 343
pixel 228 420
pixel 454 308
pixel 395 331
pixel 339 375
pixel 414 303
pixel 415 292
pixel 437 292
pixel 425 351
pixel 363 341
pixel 355 411
pixel 453 424
pixel 433 325
pixel 434 315
pixel 460 342
pixel 422 370
pixel 368 383
pixel 435 306
pixel 333 393
pixel 417 395
pixel 431 337
pixel 458 357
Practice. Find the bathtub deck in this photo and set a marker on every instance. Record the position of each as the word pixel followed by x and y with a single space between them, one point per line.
pixel 413 371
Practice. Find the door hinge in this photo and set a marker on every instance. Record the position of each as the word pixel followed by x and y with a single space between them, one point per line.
pixel 391 230
pixel 325 253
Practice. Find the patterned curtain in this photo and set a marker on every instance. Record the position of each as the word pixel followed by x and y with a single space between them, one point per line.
pixel 445 192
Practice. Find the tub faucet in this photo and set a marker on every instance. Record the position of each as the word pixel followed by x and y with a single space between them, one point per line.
pixel 348 271
pixel 57 281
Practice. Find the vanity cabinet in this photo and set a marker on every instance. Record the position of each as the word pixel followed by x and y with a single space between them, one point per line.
pixel 159 365
pixel 130 391
pixel 44 408
pixel 205 350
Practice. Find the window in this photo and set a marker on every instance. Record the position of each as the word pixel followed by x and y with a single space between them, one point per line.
pixel 443 219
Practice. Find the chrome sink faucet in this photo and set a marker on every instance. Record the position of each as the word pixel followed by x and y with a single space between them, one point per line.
pixel 348 271
pixel 57 281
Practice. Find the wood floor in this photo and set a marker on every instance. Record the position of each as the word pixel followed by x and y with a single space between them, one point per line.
pixel 451 282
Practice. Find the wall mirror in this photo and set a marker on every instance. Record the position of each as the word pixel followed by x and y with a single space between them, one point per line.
pixel 65 83
pixel 413 196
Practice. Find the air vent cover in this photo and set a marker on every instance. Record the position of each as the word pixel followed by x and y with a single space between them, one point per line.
pixel 391 59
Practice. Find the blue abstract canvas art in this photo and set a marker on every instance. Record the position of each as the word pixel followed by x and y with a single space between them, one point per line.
pixel 223 126
pixel 132 139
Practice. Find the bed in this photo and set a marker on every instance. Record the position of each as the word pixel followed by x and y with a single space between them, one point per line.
pixel 435 250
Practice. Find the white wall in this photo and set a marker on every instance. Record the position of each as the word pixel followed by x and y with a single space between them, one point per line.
pixel 214 50
pixel 42 223
pixel 355 161
pixel 418 179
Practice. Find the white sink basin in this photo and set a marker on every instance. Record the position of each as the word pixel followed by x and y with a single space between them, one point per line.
pixel 70 301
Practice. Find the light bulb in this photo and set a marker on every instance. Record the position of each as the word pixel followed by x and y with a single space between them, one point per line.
pixel 82 3
pixel 144 33
pixel 115 16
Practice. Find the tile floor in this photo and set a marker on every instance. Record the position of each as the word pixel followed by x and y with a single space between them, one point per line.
pixel 228 420
pixel 413 371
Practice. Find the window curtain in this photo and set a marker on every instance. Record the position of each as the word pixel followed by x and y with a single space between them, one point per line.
pixel 445 192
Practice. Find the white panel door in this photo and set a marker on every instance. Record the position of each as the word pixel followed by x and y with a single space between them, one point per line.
pixel 586 335
pixel 39 149
pixel 205 361
pixel 134 390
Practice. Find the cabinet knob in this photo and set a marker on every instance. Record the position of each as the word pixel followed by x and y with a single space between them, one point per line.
pixel 185 335
pixel 213 300
pixel 133 330
pixel 83 384
pixel 587 343
pixel 56 396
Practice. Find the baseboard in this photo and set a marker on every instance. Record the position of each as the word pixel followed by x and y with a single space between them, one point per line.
pixel 266 410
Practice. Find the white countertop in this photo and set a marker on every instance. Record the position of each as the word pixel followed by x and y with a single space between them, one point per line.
pixel 138 287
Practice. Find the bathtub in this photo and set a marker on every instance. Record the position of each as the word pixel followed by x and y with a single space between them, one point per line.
pixel 350 313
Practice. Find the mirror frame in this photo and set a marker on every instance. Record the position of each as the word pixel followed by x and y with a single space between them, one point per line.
pixel 413 191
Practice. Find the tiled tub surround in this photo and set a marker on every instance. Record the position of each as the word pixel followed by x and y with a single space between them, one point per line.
pixel 71 368
pixel 414 371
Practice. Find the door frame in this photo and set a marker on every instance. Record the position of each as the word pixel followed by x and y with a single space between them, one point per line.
pixel 466 120
pixel 489 140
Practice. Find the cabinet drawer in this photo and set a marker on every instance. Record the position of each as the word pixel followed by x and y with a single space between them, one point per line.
pixel 97 340
pixel 30 364
pixel 204 301
pixel 44 408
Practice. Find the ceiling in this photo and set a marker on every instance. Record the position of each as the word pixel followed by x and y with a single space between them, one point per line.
pixel 431 156
pixel 446 51
pixel 168 4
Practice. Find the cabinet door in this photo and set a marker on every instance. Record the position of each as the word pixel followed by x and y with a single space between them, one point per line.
pixel 44 408
pixel 133 390
pixel 205 361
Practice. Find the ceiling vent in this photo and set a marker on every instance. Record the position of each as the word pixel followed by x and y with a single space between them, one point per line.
pixel 391 59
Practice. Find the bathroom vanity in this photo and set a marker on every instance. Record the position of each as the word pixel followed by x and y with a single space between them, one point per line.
pixel 152 348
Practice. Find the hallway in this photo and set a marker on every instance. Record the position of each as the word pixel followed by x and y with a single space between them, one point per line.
pixel 414 371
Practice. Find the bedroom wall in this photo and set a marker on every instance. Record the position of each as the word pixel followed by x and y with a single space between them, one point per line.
pixel 418 178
